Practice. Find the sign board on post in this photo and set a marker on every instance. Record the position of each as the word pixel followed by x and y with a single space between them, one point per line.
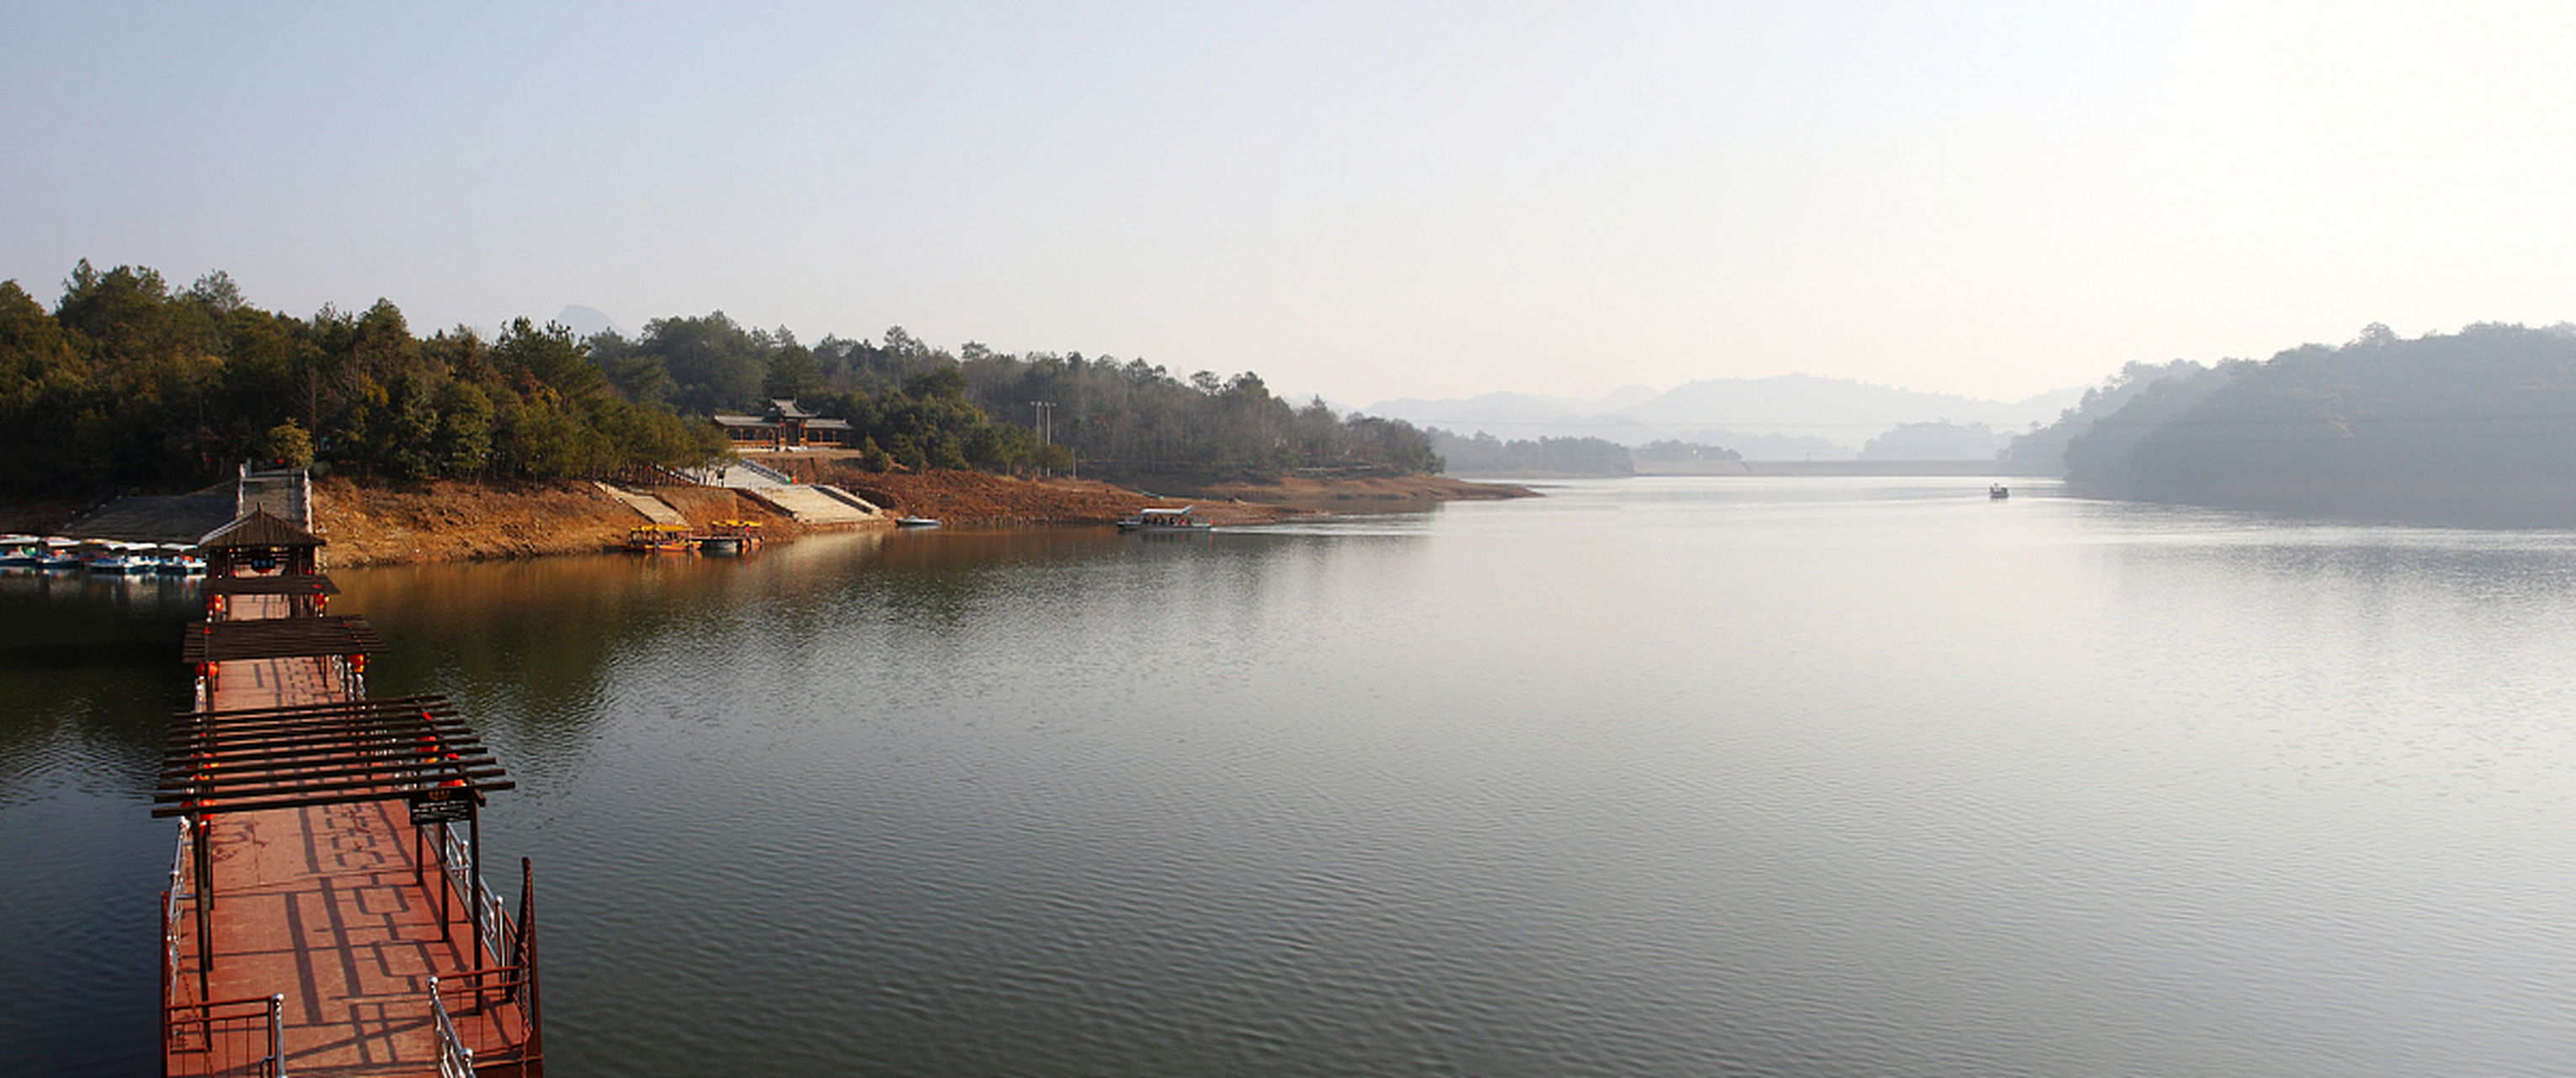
pixel 446 804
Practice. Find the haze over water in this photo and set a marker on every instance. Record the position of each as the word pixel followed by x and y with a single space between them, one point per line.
pixel 1655 776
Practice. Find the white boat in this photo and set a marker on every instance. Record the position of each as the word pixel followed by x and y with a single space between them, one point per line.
pixel 175 560
pixel 21 550
pixel 113 558
pixel 58 553
pixel 917 522
pixel 1998 492
pixel 1165 520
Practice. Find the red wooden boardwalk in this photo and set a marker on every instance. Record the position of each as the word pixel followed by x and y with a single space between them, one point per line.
pixel 253 683
pixel 324 906
pixel 341 910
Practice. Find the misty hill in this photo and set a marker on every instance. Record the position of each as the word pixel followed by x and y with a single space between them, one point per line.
pixel 587 322
pixel 1787 417
pixel 2475 428
pixel 1525 416
pixel 1839 410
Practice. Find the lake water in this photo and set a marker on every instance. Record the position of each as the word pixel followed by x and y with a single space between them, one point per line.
pixel 1680 776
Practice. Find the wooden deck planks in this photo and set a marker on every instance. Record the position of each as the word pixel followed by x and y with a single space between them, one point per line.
pixel 320 904
pixel 254 683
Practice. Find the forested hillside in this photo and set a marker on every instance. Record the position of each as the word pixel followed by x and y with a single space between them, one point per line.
pixel 2477 427
pixel 921 403
pixel 127 384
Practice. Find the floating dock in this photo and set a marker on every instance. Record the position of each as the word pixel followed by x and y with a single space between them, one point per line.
pixel 326 912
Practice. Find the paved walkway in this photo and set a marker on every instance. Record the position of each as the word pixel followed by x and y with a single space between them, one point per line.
pixel 282 493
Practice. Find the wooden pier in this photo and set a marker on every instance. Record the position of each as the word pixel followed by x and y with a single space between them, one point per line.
pixel 326 913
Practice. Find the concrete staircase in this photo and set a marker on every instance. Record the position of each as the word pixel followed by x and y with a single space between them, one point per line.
pixel 286 494
pixel 813 503
pixel 654 509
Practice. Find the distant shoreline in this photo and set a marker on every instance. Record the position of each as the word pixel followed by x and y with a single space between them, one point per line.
pixel 1981 468
pixel 374 523
pixel 1782 469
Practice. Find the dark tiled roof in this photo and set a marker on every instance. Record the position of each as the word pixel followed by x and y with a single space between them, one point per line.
pixel 258 530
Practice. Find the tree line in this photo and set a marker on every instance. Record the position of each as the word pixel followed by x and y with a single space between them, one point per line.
pixel 976 407
pixel 2476 427
pixel 130 384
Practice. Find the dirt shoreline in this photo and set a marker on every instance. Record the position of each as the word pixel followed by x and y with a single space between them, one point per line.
pixel 446 520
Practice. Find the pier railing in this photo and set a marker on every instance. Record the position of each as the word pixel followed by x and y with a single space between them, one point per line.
pixel 227 1037
pixel 502 995
pixel 455 1060
pixel 498 937
pixel 486 1023
pixel 234 1037
pixel 764 471
pixel 173 902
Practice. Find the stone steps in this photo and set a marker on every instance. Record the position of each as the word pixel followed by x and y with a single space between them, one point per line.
pixel 809 504
pixel 654 509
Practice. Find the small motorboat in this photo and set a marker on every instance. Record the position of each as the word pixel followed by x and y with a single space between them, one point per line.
pixel 1165 520
pixel 59 553
pixel 653 537
pixel 175 560
pixel 112 558
pixel 1998 492
pixel 730 537
pixel 917 522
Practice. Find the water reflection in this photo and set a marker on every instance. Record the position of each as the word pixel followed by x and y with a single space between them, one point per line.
pixel 89 672
pixel 1669 776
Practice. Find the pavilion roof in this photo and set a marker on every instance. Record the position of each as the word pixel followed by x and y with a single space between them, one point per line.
pixel 258 529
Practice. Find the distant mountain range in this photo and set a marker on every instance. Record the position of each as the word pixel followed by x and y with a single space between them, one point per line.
pixel 1787 417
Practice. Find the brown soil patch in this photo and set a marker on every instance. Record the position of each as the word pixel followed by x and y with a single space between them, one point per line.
pixel 976 498
pixel 459 521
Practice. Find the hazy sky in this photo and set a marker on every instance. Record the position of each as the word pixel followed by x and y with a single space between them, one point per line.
pixel 1364 200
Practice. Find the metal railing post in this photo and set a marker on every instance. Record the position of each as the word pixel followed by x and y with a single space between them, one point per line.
pixel 277 1036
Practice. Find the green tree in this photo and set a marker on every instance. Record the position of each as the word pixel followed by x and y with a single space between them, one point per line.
pixel 463 443
pixel 793 371
pixel 942 382
pixel 287 444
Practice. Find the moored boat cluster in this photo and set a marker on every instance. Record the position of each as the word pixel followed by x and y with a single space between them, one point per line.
pixel 112 557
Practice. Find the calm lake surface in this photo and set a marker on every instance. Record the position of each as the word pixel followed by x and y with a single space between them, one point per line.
pixel 1658 776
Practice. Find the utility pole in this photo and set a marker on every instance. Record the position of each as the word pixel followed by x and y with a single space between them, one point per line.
pixel 1043 418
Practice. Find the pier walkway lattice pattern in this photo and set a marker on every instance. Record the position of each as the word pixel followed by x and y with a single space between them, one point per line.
pixel 326 913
